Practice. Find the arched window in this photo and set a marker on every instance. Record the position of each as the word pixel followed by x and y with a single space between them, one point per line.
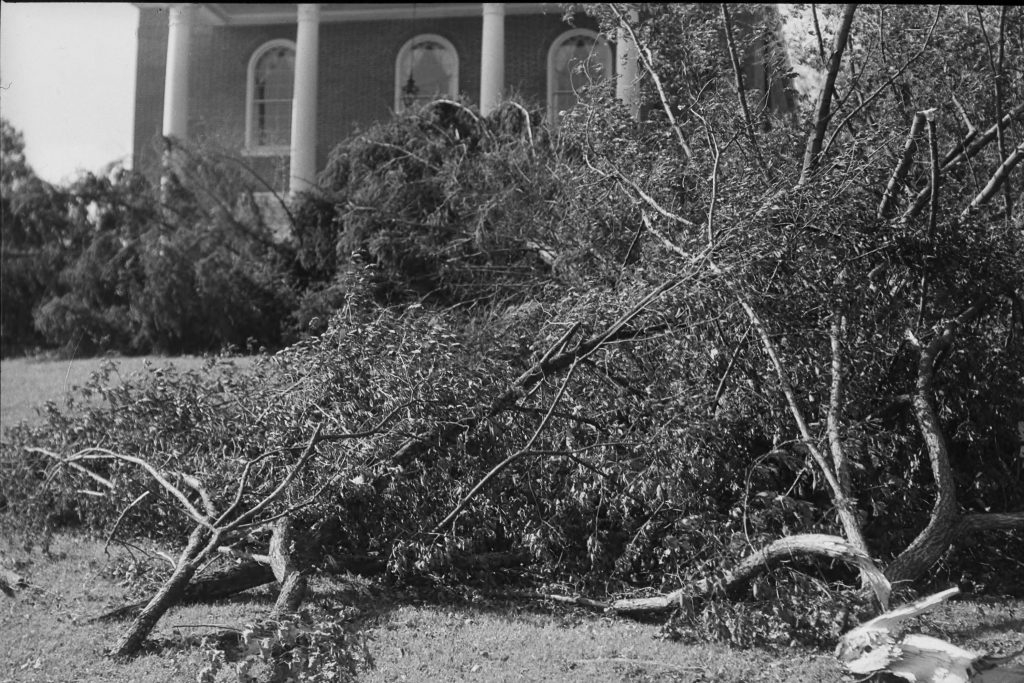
pixel 427 68
pixel 268 119
pixel 570 50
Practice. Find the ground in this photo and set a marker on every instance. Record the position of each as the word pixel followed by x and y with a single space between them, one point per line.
pixel 46 632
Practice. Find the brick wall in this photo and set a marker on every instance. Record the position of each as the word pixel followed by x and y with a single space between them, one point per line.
pixel 355 80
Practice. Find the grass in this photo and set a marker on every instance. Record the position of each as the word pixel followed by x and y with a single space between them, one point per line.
pixel 46 632
pixel 410 636
pixel 26 384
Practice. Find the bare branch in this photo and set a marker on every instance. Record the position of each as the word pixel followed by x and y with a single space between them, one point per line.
pixel 104 454
pixel 997 180
pixel 784 548
pixel 837 336
pixel 892 79
pixel 510 459
pixel 647 59
pixel 823 111
pixel 900 172
pixel 996 64
pixel 285 483
pixel 970 152
pixel 933 210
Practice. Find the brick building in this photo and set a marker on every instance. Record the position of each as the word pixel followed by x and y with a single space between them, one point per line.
pixel 281 85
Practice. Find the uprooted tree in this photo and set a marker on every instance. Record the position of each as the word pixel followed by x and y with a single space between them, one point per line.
pixel 665 354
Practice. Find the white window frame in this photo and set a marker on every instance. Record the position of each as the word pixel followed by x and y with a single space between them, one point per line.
pixel 251 148
pixel 602 45
pixel 403 56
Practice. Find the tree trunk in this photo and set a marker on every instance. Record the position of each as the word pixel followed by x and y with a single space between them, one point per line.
pixel 287 561
pixel 935 539
pixel 168 595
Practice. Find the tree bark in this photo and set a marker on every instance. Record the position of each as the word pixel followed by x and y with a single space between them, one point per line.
pixel 168 595
pixel 937 536
pixel 288 562
pixel 899 174
pixel 813 545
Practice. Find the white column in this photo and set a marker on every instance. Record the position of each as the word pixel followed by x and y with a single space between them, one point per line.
pixel 492 57
pixel 303 159
pixel 179 42
pixel 627 69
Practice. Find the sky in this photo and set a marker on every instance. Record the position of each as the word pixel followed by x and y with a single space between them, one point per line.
pixel 67 82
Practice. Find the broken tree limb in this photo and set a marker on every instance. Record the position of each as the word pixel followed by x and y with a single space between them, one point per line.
pixel 997 180
pixel 811 545
pixel 921 200
pixel 290 566
pixel 872 648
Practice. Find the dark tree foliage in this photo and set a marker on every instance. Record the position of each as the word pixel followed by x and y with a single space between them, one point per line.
pixel 111 263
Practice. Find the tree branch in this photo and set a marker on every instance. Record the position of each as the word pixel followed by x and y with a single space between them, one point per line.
pixel 647 59
pixel 998 179
pixel 881 88
pixel 899 173
pixel 823 110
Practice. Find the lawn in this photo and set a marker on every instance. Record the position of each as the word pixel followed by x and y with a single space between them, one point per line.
pixel 46 632
pixel 28 383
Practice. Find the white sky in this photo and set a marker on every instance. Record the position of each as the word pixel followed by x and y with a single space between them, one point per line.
pixel 67 82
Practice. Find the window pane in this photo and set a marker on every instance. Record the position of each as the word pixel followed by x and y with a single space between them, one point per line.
pixel 433 66
pixel 272 97
pixel 273 122
pixel 275 75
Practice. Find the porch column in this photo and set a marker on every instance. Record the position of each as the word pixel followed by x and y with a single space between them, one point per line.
pixel 179 42
pixel 627 69
pixel 303 151
pixel 492 57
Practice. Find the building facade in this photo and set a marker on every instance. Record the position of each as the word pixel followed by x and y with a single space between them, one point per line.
pixel 280 85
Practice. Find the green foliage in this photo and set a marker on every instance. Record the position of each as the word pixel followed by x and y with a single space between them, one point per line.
pixel 112 263
pixel 290 651
pixel 670 454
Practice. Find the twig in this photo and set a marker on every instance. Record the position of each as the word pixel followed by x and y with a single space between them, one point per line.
pixel 507 461
pixel 741 93
pixel 648 61
pixel 138 499
pixel 285 483
pixel 881 88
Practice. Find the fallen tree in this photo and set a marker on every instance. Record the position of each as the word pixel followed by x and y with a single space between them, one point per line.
pixel 757 353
